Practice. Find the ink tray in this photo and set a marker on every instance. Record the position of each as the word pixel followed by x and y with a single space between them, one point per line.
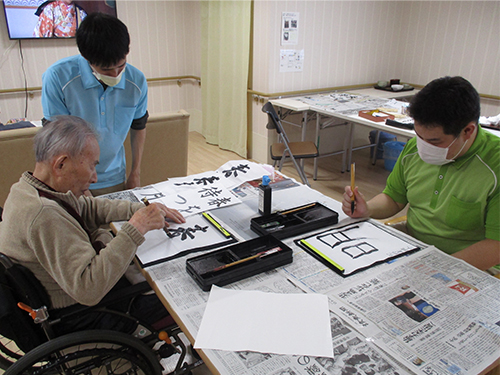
pixel 295 221
pixel 238 261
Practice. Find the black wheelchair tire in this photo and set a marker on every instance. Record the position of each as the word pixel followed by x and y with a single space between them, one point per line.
pixel 82 352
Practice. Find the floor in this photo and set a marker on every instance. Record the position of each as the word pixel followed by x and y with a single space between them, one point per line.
pixel 331 182
pixel 201 370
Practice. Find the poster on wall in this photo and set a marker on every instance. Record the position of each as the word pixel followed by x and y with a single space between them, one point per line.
pixel 291 60
pixel 289 28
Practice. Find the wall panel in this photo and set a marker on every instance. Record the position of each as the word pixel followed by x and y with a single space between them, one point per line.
pixel 345 42
pixel 359 42
pixel 165 41
pixel 452 38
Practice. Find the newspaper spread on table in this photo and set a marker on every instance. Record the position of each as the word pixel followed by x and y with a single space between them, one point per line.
pixel 460 335
pixel 435 313
pixel 351 349
pixel 343 103
pixel 426 313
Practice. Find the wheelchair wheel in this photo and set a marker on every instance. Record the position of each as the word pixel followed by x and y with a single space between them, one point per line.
pixel 9 352
pixel 89 352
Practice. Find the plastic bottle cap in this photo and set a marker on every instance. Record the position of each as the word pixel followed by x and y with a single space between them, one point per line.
pixel 265 180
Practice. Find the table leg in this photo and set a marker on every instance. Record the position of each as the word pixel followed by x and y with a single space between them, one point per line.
pixel 304 131
pixel 346 146
pixel 375 148
pixel 315 174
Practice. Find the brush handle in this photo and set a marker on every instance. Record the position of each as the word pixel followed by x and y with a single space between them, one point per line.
pixel 258 255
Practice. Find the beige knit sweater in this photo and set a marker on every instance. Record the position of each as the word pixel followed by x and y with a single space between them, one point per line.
pixel 41 235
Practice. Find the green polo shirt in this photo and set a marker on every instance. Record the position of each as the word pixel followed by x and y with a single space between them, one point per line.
pixel 455 205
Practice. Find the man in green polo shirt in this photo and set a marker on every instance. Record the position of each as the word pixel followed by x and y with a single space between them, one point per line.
pixel 449 175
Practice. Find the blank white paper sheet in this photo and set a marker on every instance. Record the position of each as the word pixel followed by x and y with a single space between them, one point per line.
pixel 293 324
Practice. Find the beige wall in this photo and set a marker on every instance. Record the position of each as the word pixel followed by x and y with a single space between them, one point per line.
pixel 359 42
pixel 345 43
pixel 165 41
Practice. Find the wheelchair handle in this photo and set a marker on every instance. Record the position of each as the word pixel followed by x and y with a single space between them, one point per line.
pixel 162 335
pixel 38 315
pixel 28 309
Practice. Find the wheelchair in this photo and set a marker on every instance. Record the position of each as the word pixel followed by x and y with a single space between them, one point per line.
pixel 28 344
pixel 89 352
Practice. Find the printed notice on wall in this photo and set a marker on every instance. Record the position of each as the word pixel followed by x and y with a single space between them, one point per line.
pixel 289 28
pixel 291 60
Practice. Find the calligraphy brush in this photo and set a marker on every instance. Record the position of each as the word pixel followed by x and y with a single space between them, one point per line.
pixel 258 255
pixel 167 232
pixel 297 209
pixel 353 185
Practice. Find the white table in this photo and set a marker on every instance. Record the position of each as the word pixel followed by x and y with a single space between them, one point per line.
pixel 326 117
pixel 380 126
pixel 431 275
pixel 372 91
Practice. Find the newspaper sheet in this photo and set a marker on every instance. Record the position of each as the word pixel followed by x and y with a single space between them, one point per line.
pixel 427 313
pixel 352 352
pixel 343 102
pixel 435 313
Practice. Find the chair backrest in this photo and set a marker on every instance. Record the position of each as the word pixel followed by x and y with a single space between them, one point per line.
pixel 18 284
pixel 274 120
pixel 16 156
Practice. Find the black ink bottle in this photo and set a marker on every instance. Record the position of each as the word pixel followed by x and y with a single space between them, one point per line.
pixel 265 196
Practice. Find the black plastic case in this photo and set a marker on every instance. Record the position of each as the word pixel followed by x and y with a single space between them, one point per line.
pixel 203 268
pixel 295 221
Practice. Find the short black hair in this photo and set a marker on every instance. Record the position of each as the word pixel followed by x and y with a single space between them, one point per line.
pixel 102 39
pixel 449 102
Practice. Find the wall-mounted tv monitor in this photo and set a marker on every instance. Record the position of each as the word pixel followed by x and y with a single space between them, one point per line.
pixel 41 19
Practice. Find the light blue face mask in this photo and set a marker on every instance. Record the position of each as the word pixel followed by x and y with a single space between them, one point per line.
pixel 108 80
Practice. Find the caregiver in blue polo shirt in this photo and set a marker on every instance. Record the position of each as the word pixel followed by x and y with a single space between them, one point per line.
pixel 100 87
pixel 449 176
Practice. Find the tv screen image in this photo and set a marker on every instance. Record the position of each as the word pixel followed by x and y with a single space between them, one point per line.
pixel 41 19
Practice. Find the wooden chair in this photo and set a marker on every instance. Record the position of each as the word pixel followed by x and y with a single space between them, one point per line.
pixel 284 149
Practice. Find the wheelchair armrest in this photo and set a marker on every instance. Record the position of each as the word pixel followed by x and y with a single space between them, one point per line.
pixel 114 296
pixel 5 261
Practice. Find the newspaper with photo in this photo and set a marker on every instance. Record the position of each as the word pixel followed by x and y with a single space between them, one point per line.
pixel 435 313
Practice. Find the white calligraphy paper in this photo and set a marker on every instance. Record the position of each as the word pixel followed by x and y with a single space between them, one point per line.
pixel 295 324
pixel 356 246
pixel 195 235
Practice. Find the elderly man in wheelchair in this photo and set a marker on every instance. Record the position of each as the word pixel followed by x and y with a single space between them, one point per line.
pixel 67 272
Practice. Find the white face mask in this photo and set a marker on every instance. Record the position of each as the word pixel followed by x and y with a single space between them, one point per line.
pixel 435 155
pixel 108 80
